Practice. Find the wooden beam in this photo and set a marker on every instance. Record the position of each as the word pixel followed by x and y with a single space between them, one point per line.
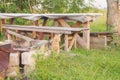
pixel 77 24
pixel 63 22
pixel 58 30
pixel 19 35
pixel 34 34
pixel 72 41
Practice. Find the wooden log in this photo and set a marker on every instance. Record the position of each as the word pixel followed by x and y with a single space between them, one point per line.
pixel 14 59
pixel 86 35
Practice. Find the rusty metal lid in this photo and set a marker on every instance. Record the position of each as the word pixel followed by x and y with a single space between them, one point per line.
pixel 5 49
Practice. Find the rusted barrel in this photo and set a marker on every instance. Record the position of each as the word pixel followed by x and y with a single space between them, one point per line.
pixel 5 49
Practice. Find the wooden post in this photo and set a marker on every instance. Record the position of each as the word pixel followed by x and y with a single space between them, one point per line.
pixel 66 42
pixel 39 33
pixel 9 36
pixel 55 43
pixel 0 26
pixel 86 35
pixel 3 21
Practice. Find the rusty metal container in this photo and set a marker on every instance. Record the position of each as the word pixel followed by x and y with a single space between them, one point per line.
pixel 5 49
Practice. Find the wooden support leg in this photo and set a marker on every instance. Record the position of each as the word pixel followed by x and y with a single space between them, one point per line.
pixel 66 43
pixel 72 41
pixel 9 36
pixel 55 43
pixel 86 35
pixel 0 26
pixel 34 33
pixel 6 34
pixel 2 75
pixel 39 33
pixel 75 44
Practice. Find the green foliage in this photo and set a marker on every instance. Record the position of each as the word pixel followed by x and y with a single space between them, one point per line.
pixel 80 64
pixel 115 42
pixel 44 6
pixel 99 25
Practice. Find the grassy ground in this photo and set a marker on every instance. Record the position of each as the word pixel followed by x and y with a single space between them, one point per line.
pixel 99 25
pixel 81 64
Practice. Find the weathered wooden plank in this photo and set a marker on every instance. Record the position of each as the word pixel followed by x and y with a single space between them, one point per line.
pixel 19 35
pixel 98 42
pixel 39 30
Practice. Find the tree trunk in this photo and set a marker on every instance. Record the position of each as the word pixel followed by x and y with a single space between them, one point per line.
pixel 113 15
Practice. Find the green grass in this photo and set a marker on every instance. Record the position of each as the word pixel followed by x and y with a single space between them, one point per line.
pixel 99 25
pixel 79 64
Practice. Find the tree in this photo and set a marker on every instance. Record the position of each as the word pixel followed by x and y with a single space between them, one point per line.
pixel 113 15
pixel 43 6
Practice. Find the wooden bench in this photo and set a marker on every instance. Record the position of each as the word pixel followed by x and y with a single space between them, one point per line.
pixel 57 31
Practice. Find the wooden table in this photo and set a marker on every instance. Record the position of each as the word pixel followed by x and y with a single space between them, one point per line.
pixel 60 20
